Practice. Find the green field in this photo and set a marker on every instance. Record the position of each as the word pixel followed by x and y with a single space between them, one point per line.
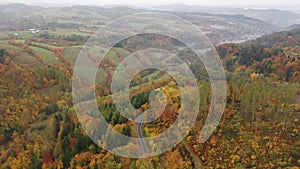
pixel 86 72
pixel 4 35
pixel 45 44
pixel 48 57
pixel 20 41
pixel 25 58
pixel 24 35
pixel 71 53
pixel 67 32
pixel 4 44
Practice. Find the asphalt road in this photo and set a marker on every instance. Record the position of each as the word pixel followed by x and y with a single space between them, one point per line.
pixel 141 141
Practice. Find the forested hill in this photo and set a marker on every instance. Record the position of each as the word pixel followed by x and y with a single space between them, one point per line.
pixel 276 56
pixel 290 38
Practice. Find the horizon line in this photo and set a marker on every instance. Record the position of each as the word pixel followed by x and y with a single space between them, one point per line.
pixel 45 4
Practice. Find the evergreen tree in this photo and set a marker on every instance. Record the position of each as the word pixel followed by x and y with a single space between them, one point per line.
pixel 126 130
pixel 66 158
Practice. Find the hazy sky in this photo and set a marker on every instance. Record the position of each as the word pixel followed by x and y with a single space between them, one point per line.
pixel 245 3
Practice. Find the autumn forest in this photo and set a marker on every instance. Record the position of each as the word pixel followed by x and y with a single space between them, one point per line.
pixel 39 127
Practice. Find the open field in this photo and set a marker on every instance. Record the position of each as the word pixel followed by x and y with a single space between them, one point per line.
pixel 23 35
pixel 45 44
pixel 48 57
pixel 25 58
pixel 7 46
pixel 72 53
pixel 67 32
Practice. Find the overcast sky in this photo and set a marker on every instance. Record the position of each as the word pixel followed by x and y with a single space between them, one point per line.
pixel 148 3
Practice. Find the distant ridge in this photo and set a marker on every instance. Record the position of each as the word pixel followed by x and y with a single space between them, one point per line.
pixel 270 15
